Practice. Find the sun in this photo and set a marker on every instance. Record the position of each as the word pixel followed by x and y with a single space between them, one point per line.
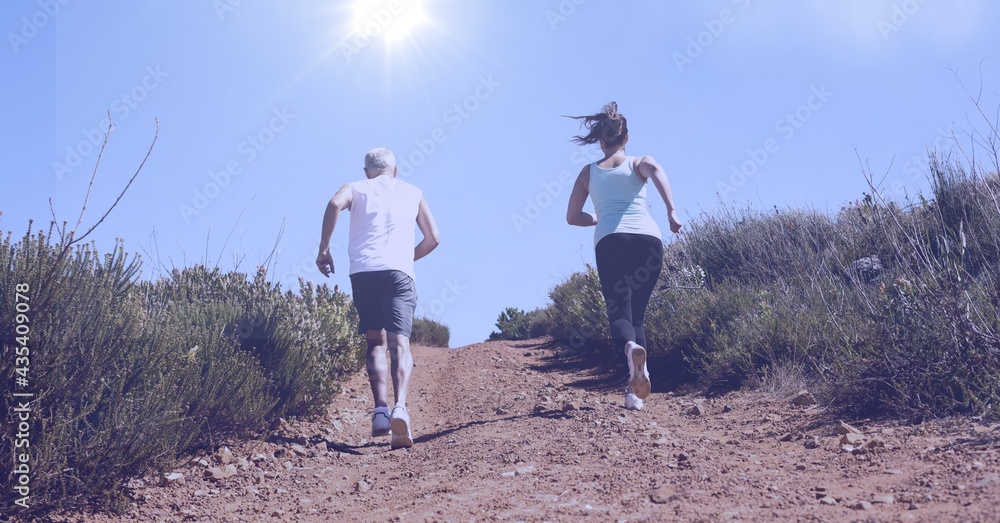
pixel 393 20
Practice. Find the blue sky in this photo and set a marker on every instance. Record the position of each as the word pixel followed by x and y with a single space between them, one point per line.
pixel 266 108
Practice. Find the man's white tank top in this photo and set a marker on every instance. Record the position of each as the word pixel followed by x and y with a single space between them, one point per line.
pixel 383 225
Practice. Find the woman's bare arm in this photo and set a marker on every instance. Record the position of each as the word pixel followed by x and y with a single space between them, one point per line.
pixel 649 169
pixel 574 212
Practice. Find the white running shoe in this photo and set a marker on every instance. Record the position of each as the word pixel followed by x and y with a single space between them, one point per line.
pixel 380 422
pixel 638 375
pixel 400 423
pixel 632 402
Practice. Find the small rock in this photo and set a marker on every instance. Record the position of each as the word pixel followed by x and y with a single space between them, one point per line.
pixel 696 410
pixel 277 424
pixel 812 442
pixel 726 409
pixel 852 439
pixel 774 418
pixel 663 494
pixel 287 465
pixel 215 474
pixel 203 463
pixel 230 470
pixel 500 411
pixel 988 480
pixel 509 474
pixel 828 500
pixel 302 440
pixel 298 450
pixel 893 472
pixel 860 505
pixel 362 486
pixel 173 478
pixel 571 405
pixel 803 398
pixel 787 437
pixel 224 456
pixel 884 499
pixel 525 470
pixel 277 513
pixel 913 506
pixel 243 463
pixel 843 428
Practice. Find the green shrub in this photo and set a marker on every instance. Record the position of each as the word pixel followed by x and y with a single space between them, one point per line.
pixel 577 314
pixel 129 375
pixel 750 298
pixel 516 324
pixel 430 333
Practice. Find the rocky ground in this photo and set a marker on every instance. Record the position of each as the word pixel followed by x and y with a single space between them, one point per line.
pixel 529 431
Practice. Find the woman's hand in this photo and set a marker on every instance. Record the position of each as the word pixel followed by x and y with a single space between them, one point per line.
pixel 675 224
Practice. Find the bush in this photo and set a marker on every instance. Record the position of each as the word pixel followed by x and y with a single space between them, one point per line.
pixel 129 375
pixel 885 308
pixel 516 324
pixel 430 333
pixel 577 314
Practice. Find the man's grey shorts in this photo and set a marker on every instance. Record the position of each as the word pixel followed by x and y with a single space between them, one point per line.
pixel 385 300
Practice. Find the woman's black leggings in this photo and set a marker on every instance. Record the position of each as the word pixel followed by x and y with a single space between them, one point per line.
pixel 629 266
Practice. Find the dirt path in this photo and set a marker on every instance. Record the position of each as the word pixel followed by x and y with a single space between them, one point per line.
pixel 525 431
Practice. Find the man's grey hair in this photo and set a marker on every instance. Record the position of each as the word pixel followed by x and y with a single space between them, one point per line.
pixel 380 159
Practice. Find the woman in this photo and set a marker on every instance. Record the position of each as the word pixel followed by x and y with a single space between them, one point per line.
pixel 627 240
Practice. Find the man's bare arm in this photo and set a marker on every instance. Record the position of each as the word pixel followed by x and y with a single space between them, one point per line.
pixel 339 202
pixel 428 227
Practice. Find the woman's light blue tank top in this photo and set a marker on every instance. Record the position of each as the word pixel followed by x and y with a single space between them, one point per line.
pixel 619 197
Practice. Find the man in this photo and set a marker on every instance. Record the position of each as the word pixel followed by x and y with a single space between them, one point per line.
pixel 384 211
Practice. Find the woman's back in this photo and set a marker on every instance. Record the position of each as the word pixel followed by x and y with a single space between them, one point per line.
pixel 619 197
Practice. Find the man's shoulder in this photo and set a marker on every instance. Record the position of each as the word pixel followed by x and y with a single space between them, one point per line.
pixel 407 186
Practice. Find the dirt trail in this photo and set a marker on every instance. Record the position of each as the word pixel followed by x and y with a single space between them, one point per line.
pixel 528 431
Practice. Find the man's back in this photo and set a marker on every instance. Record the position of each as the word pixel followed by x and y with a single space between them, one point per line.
pixel 383 225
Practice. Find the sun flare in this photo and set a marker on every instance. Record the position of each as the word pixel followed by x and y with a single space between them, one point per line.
pixel 393 20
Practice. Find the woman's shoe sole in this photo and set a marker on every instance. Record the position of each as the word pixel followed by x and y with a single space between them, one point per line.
pixel 639 381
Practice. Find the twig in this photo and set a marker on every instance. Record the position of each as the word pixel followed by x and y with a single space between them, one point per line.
pixel 129 184
pixel 70 241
